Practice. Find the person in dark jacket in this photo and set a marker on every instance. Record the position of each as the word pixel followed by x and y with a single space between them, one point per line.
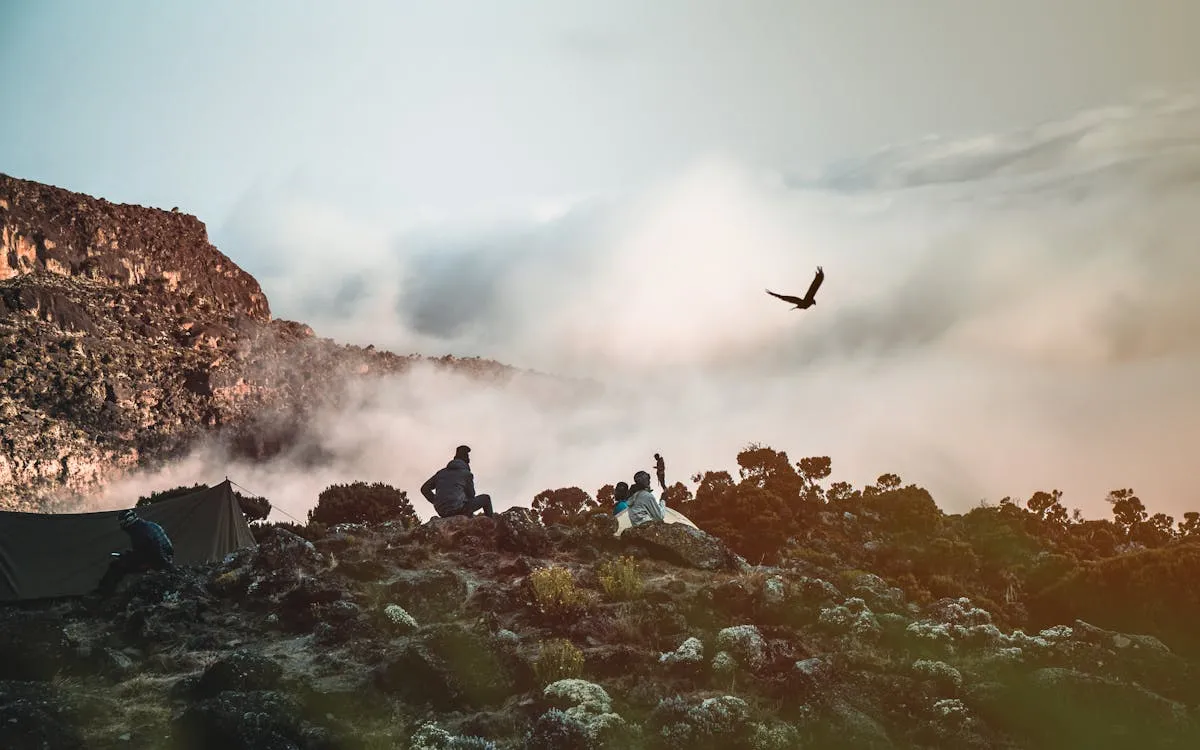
pixel 451 490
pixel 151 550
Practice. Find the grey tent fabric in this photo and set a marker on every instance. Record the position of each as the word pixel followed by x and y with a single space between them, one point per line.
pixel 64 554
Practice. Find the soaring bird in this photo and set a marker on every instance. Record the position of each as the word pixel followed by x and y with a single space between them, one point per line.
pixel 810 297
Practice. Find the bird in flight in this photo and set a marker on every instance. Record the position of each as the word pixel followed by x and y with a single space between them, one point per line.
pixel 810 297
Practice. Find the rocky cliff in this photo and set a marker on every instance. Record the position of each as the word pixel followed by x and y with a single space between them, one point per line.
pixel 45 228
pixel 125 336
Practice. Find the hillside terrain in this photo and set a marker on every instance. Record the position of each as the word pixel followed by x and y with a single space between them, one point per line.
pixel 126 337
pixel 516 633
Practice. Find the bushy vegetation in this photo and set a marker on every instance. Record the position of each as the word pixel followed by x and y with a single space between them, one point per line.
pixel 360 502
pixel 558 659
pixel 620 578
pixel 1019 559
pixel 554 591
pixel 567 505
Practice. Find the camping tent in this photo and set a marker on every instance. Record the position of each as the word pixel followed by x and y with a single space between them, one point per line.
pixel 671 516
pixel 64 554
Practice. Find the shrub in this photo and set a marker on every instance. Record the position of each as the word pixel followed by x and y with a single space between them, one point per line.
pixel 620 578
pixel 312 532
pixel 554 590
pixel 567 505
pixel 558 659
pixel 360 502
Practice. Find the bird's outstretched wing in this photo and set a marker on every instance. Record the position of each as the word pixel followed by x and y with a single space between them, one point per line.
pixel 786 297
pixel 811 294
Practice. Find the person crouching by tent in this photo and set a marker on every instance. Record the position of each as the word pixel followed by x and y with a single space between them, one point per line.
pixel 151 550
pixel 451 490
pixel 643 506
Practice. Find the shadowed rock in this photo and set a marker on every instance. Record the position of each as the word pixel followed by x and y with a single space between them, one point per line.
pixel 683 545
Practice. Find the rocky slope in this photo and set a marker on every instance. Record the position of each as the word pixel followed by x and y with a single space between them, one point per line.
pixel 505 633
pixel 125 336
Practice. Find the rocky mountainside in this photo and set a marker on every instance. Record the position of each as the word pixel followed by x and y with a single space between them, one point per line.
pixel 125 336
pixel 506 633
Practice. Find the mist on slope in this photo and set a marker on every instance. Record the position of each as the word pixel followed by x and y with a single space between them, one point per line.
pixel 1000 315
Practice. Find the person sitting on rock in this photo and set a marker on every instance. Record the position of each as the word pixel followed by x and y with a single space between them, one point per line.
pixel 620 496
pixel 643 506
pixel 451 490
pixel 151 550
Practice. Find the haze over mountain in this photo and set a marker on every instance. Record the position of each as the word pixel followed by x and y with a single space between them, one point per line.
pixel 1001 315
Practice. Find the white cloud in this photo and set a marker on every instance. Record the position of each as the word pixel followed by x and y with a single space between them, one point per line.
pixel 1000 315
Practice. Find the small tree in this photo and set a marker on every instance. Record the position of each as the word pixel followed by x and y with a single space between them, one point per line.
pixel 566 505
pixel 1128 510
pixel 1049 508
pixel 1189 527
pixel 360 502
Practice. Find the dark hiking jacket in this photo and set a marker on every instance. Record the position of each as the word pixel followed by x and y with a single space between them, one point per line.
pixel 150 542
pixel 450 488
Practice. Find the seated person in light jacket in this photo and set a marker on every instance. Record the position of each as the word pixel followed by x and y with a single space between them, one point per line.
pixel 643 506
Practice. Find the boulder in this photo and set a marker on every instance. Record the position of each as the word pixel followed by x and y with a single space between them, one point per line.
pixel 448 666
pixel 428 595
pixel 681 544
pixel 240 671
pixel 258 720
pixel 519 530
pixel 280 548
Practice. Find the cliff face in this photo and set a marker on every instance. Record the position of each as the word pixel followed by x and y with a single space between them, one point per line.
pixel 125 337
pixel 45 228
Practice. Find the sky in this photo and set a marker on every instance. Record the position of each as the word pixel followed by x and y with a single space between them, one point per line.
pixel 1002 195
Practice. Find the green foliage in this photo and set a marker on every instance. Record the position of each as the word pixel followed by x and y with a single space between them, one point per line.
pixel 312 532
pixel 1151 591
pixel 360 502
pixel 558 659
pixel 554 591
pixel 620 578
pixel 171 494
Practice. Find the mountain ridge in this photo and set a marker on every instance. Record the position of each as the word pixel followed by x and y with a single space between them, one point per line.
pixel 127 337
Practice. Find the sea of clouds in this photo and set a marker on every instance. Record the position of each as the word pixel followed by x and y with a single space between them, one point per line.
pixel 1000 315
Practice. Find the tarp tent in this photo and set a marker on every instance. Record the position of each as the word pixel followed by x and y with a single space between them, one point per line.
pixel 671 516
pixel 64 554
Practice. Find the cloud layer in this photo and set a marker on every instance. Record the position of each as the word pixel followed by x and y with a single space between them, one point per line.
pixel 1000 315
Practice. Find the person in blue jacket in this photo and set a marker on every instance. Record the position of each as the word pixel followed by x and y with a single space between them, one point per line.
pixel 620 495
pixel 151 549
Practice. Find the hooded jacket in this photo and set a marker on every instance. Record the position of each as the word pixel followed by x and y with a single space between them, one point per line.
pixel 644 507
pixel 450 488
pixel 149 541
